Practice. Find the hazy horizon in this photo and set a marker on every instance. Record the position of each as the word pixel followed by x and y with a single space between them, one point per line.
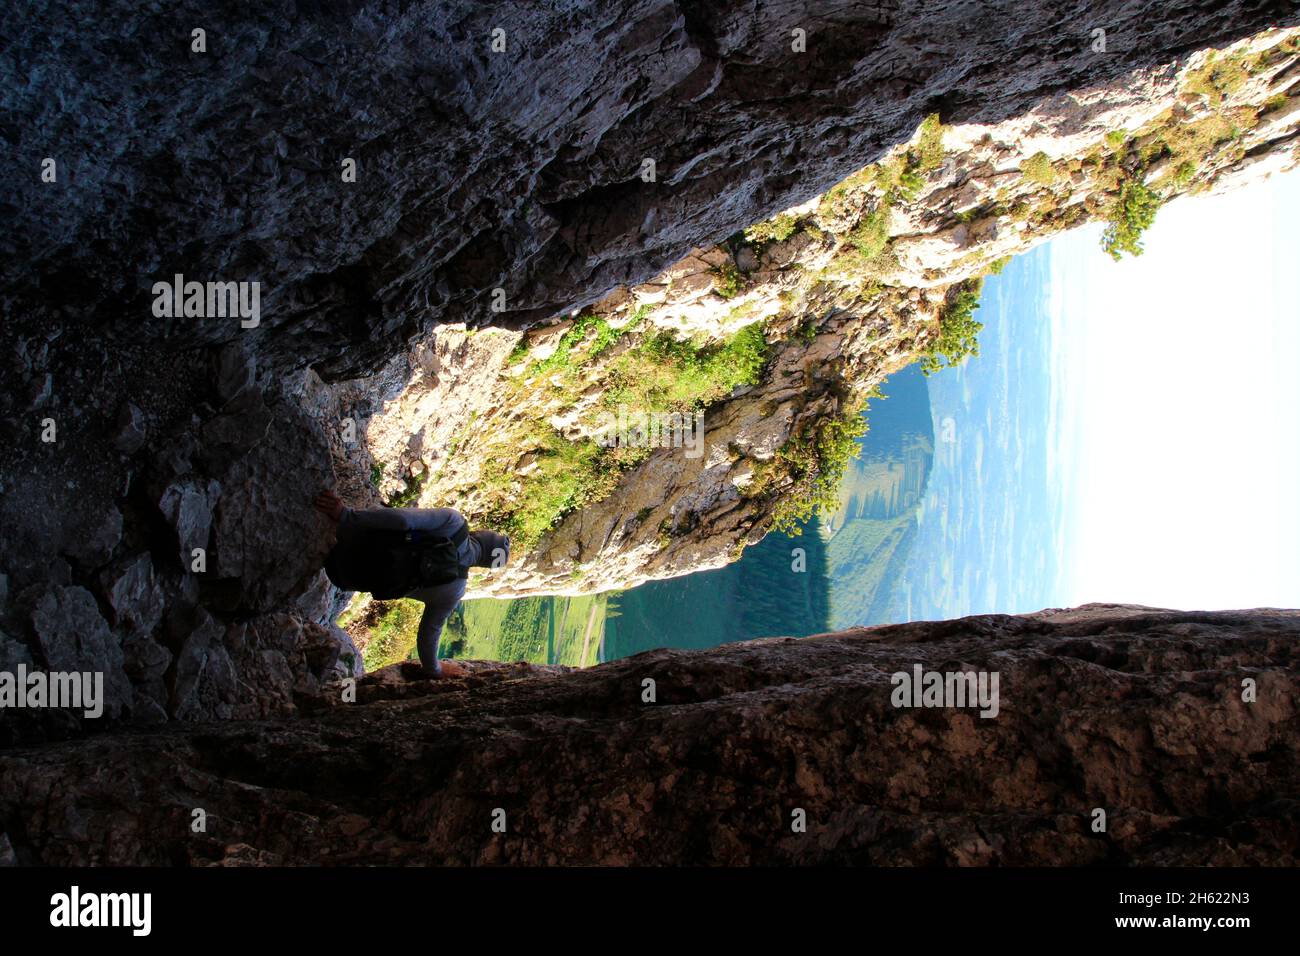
pixel 1177 406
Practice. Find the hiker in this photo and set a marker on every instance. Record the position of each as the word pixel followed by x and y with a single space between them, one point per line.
pixel 420 553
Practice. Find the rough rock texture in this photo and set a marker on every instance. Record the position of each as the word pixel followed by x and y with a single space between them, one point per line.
pixel 211 603
pixel 1133 710
pixel 517 169
pixel 155 488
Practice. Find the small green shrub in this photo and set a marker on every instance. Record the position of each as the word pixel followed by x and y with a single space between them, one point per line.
pixel 1130 215
pixel 729 281
pixel 817 467
pixel 958 330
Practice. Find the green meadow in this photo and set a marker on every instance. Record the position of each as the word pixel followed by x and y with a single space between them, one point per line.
pixel 561 630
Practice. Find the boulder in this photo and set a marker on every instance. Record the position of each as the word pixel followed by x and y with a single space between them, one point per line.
pixel 134 596
pixel 187 507
pixel 202 680
pixel 74 637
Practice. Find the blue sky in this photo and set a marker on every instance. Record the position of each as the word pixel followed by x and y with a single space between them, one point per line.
pixel 1175 413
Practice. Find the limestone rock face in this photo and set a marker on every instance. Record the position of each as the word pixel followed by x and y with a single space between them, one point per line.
pixel 846 289
pixel 1133 711
pixel 133 439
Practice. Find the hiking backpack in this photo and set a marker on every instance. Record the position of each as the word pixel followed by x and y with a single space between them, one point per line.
pixel 392 564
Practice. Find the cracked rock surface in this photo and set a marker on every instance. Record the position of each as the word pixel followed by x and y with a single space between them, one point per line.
pixel 1136 711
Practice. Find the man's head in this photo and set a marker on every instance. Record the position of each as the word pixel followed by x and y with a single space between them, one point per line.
pixel 493 549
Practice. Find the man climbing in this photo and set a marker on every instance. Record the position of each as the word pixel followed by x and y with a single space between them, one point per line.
pixel 420 553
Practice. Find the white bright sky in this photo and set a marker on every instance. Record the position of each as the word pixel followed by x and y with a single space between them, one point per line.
pixel 1176 407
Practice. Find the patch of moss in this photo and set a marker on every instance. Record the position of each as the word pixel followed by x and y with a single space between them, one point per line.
pixel 1274 103
pixel 778 229
pixel 662 373
pixel 870 236
pixel 1219 77
pixel 739 312
pixel 1038 169
pixel 567 475
pixel 1193 143
pixel 589 337
pixel 1184 174
pixel 927 154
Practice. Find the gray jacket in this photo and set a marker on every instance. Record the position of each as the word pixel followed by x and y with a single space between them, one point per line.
pixel 439 600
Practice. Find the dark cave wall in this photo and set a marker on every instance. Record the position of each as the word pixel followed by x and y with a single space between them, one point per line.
pixel 478 170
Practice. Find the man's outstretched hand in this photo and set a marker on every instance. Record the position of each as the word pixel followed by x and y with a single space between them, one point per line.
pixel 330 505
